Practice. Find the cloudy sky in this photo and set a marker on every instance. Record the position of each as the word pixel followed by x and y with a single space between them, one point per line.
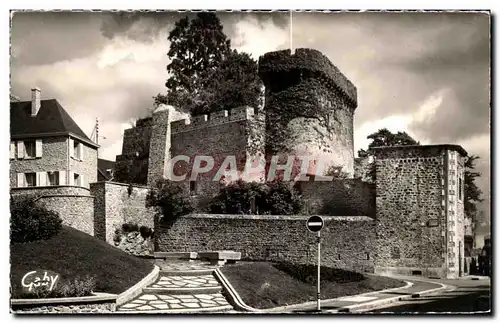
pixel 424 73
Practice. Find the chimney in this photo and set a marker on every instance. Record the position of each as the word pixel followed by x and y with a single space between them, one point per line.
pixel 35 101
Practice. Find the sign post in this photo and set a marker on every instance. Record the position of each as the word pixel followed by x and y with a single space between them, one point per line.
pixel 315 224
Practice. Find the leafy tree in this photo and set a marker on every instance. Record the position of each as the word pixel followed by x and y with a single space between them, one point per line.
pixel 206 75
pixel 171 200
pixel 384 138
pixel 233 84
pixel 472 193
pixel 197 48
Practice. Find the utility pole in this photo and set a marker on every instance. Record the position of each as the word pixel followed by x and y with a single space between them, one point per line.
pixel 291 37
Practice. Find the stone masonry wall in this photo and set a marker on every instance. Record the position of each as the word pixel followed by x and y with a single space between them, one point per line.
pixel 75 205
pixel 347 242
pixel 349 197
pixel 363 168
pixel 411 223
pixel 334 142
pixel 114 207
pixel 309 107
pixel 217 135
pixel 54 158
pixel 132 165
pixel 161 141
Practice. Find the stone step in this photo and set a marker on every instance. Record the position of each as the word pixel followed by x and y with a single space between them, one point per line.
pixel 182 291
pixel 194 272
pixel 176 255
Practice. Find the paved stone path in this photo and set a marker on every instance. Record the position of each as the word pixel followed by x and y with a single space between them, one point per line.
pixel 186 282
pixel 171 295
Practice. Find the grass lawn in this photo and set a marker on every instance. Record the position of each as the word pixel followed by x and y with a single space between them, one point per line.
pixel 266 285
pixel 72 253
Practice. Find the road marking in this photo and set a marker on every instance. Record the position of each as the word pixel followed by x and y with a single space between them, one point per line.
pixel 357 299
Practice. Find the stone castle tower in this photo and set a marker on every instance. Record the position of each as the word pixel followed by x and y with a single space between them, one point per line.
pixel 418 200
pixel 309 108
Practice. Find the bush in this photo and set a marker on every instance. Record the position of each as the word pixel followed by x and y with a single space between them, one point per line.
pixel 270 198
pixel 32 221
pixel 77 288
pixel 130 227
pixel 283 199
pixel 145 232
pixel 171 199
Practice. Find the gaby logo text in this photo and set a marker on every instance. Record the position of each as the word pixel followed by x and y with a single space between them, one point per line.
pixel 34 280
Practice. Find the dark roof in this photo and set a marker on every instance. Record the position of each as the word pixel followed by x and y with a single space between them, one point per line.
pixel 103 165
pixel 51 119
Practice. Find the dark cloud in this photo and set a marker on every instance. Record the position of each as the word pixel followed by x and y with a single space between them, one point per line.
pixel 39 38
pixel 122 23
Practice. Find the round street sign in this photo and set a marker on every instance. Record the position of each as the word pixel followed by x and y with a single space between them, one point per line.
pixel 315 223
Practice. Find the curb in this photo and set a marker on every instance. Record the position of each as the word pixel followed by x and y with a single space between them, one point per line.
pixel 234 298
pixel 379 303
pixel 193 311
pixel 311 303
pixel 137 288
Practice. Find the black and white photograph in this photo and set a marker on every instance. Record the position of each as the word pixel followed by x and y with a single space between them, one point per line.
pixel 250 162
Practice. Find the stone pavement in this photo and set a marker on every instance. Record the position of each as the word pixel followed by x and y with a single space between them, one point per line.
pixel 182 287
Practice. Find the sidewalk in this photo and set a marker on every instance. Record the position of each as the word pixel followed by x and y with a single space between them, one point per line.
pixel 363 302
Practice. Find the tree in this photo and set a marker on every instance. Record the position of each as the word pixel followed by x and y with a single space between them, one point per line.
pixel 233 84
pixel 384 138
pixel 197 48
pixel 472 193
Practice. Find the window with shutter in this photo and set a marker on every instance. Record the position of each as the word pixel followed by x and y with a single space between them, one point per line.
pixel 53 178
pixel 62 177
pixel 12 150
pixel 71 178
pixel 41 178
pixel 38 148
pixel 20 149
pixel 30 179
pixel 76 179
pixel 76 149
pixel 82 149
pixel 71 148
pixel 30 149
pixel 20 180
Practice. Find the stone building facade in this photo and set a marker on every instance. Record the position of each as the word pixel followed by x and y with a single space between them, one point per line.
pixel 420 214
pixel 52 159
